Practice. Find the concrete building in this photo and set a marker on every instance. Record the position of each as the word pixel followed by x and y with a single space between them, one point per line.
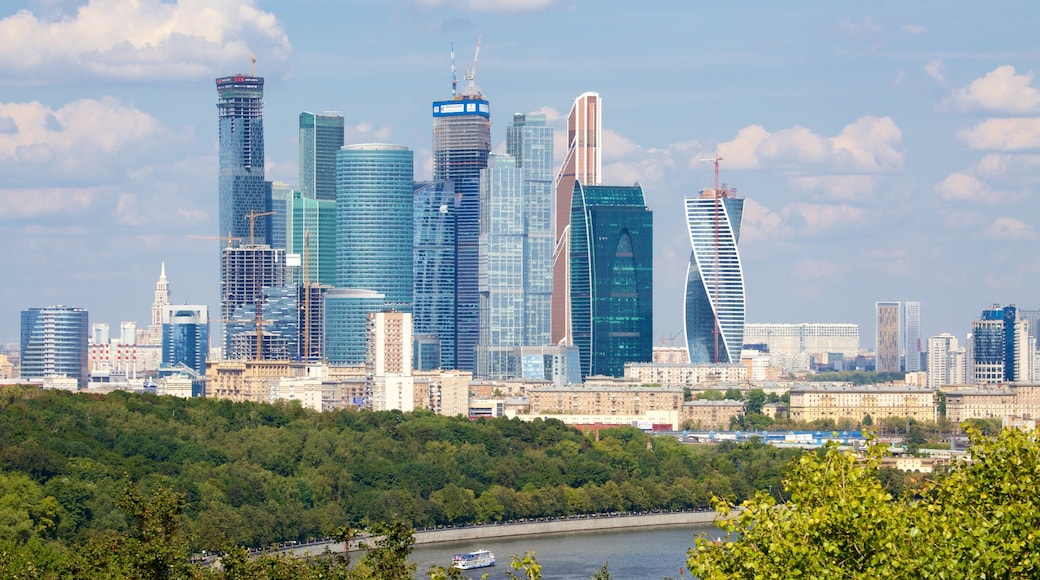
pixel 813 338
pixel 945 361
pixel 888 333
pixel 443 392
pixel 583 164
pixel 856 402
pixel 679 375
pixel 389 361
pixel 248 380
pixel 671 355
pixel 586 400
pixel 246 271
pixel 992 403
pixel 708 415
pixel 160 301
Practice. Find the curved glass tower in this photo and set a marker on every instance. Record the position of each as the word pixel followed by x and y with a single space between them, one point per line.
pixel 374 221
pixel 715 280
pixel 54 343
pixel 433 255
pixel 611 278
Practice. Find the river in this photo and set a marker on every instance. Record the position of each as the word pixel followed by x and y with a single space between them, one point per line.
pixel 632 554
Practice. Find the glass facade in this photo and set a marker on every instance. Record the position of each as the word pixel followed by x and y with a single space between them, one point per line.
pixel 312 236
pixel 246 271
pixel 433 266
pixel 1000 346
pixel 461 144
pixel 611 278
pixel 185 337
pixel 715 300
pixel 346 313
pixel 281 221
pixel 374 219
pixel 321 136
pixel 241 184
pixel 54 343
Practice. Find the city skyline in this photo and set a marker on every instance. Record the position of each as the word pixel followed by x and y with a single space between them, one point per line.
pixel 875 147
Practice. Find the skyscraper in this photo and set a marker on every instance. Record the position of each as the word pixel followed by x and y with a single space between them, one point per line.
pixel 1000 347
pixel 943 358
pixel 245 272
pixel 346 313
pixel 611 278
pixel 530 140
pixel 461 143
pixel 582 164
pixel 321 136
pixel 241 185
pixel 887 346
pixel 312 236
pixel 433 266
pixel 160 301
pixel 185 338
pixel 374 217
pixel 715 300
pixel 54 343
pixel 912 336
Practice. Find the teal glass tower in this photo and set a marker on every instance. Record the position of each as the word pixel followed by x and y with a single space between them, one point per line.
pixel 54 343
pixel 715 300
pixel 374 220
pixel 345 322
pixel 321 136
pixel 311 234
pixel 611 278
pixel 461 144
pixel 242 190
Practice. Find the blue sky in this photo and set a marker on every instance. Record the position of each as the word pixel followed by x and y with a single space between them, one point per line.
pixel 887 150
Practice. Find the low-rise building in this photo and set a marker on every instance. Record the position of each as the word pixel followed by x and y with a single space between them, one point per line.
pixel 987 403
pixel 248 380
pixel 601 400
pixel 666 374
pixel 701 415
pixel 856 402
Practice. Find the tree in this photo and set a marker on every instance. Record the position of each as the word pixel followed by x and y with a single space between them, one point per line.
pixel 979 521
pixel 754 400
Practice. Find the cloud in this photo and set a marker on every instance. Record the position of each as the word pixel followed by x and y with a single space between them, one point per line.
pixel 870 144
pixel 936 70
pixel 1007 228
pixel 366 132
pixel 836 187
pixel 913 29
pixel 1000 91
pixel 963 186
pixel 82 140
pixel 1014 134
pixel 488 5
pixel 28 203
pixel 865 27
pixel 141 40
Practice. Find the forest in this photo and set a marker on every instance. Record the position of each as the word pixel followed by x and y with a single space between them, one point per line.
pixel 250 475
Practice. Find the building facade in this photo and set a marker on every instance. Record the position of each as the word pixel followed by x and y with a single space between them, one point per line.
pixel 715 301
pixel 242 190
pixel 321 136
pixel 582 163
pixel 888 332
pixel 945 367
pixel 854 403
pixel 911 337
pixel 160 301
pixel 311 235
pixel 461 144
pixel 812 337
pixel 54 343
pixel 1000 348
pixel 345 312
pixel 374 212
pixel 433 268
pixel 611 278
pixel 686 374
pixel 245 272
pixel 185 338
pixel 389 361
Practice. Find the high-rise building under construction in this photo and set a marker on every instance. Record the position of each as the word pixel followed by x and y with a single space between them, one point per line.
pixel 242 191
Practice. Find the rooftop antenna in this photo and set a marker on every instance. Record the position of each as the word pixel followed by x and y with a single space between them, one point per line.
pixel 252 65
pixel 454 80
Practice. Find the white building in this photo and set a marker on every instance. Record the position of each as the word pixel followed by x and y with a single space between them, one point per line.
pixel 813 338
pixel 389 361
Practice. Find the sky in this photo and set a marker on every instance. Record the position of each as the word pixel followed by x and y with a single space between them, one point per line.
pixel 886 150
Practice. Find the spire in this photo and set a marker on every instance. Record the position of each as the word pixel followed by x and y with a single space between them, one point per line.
pixel 162 272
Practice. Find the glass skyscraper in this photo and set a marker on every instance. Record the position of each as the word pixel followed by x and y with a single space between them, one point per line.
pixel 433 265
pixel 185 338
pixel 611 278
pixel 54 343
pixel 241 185
pixel 715 301
pixel 246 272
pixel 1000 347
pixel 461 143
pixel 346 313
pixel 312 236
pixel 912 336
pixel 374 220
pixel 321 136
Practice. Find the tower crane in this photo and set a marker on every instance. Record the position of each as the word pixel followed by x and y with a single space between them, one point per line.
pixel 471 73
pixel 717 196
pixel 252 65
pixel 252 223
pixel 226 238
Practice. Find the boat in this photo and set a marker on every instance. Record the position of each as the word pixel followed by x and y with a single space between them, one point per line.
pixel 470 560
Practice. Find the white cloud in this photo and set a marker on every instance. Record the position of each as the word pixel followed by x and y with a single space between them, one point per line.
pixel 1000 91
pixel 489 5
pixel 1013 134
pixel 142 39
pixel 964 186
pixel 27 203
pixel 837 187
pixel 865 27
pixel 913 29
pixel 366 132
pixel 936 70
pixel 870 144
pixel 1007 228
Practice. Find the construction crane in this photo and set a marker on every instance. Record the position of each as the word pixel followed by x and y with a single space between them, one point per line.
pixel 471 73
pixel 717 196
pixel 252 223
pixel 258 319
pixel 252 65
pixel 306 295
pixel 454 79
pixel 226 238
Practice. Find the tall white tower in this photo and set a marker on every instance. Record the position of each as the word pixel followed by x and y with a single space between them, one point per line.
pixel 160 301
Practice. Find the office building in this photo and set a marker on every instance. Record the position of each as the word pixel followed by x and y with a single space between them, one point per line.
pixel 99 333
pixel 345 313
pixel 530 141
pixel 185 339
pixel 715 301
pixel 945 361
pixel 281 221
pixel 814 338
pixel 888 333
pixel 583 164
pixel 321 136
pixel 311 235
pixel 461 143
pixel 912 336
pixel 374 210
pixel 241 185
pixel 433 268
pixel 245 272
pixel 54 344
pixel 611 278
pixel 1000 348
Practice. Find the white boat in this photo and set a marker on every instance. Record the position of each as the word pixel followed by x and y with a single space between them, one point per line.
pixel 478 559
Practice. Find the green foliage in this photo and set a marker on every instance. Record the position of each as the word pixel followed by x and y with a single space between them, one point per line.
pixel 980 521
pixel 857 377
